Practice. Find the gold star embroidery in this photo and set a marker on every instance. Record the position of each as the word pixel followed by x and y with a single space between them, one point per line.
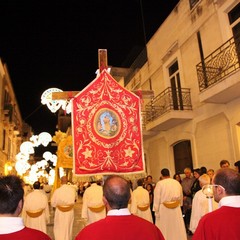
pixel 128 152
pixel 87 153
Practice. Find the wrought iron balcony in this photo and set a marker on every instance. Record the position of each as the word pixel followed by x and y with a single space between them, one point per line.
pixel 219 64
pixel 177 100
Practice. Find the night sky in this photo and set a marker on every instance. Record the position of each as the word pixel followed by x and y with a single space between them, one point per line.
pixel 55 44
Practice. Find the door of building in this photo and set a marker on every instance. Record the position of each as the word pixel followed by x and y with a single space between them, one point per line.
pixel 182 156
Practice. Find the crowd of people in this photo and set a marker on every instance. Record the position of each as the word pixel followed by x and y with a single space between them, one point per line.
pixel 169 209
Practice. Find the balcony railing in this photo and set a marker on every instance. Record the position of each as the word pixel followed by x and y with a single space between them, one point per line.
pixel 169 99
pixel 219 64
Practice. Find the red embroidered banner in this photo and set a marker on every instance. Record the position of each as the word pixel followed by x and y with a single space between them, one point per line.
pixel 107 135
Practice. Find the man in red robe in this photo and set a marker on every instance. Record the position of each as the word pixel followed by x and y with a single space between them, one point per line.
pixel 11 203
pixel 222 223
pixel 119 223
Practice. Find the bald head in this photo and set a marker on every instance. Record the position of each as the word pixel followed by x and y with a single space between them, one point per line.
pixel 204 180
pixel 229 179
pixel 116 190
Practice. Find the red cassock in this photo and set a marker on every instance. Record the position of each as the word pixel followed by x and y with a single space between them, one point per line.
pixel 221 224
pixel 25 233
pixel 107 134
pixel 128 227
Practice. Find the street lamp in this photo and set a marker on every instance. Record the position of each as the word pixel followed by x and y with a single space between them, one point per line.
pixel 54 105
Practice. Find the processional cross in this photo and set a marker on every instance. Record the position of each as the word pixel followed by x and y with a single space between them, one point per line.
pixel 106 125
pixel 102 64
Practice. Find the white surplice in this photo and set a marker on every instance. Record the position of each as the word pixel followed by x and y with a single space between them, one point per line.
pixel 93 197
pixel 140 197
pixel 200 206
pixel 169 221
pixel 35 201
pixel 63 221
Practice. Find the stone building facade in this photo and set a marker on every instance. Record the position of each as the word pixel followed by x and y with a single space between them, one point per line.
pixel 193 67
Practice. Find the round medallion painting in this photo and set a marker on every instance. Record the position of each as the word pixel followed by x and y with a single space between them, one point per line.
pixel 68 151
pixel 107 123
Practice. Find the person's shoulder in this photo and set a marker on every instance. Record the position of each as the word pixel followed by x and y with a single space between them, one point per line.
pixel 96 224
pixel 96 186
pixel 144 224
pixel 144 190
pixel 146 228
pixel 40 192
pixel 142 221
pixel 169 181
pixel 173 180
pixel 208 217
pixel 176 183
pixel 219 219
pixel 92 228
pixel 139 189
pixel 200 194
pixel 68 186
pixel 158 183
pixel 35 234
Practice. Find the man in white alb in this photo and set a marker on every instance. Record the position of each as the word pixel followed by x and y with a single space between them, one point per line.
pixel 140 203
pixel 35 211
pixel 93 208
pixel 63 199
pixel 167 203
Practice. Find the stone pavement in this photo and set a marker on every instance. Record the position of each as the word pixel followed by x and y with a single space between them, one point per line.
pixel 78 222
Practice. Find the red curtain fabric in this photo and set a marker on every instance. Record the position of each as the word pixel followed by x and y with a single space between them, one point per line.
pixel 107 136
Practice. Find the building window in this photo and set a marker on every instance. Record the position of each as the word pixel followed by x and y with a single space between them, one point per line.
pixel 193 3
pixel 3 140
pixel 234 20
pixel 234 14
pixel 175 82
pixel 7 98
pixel 9 148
